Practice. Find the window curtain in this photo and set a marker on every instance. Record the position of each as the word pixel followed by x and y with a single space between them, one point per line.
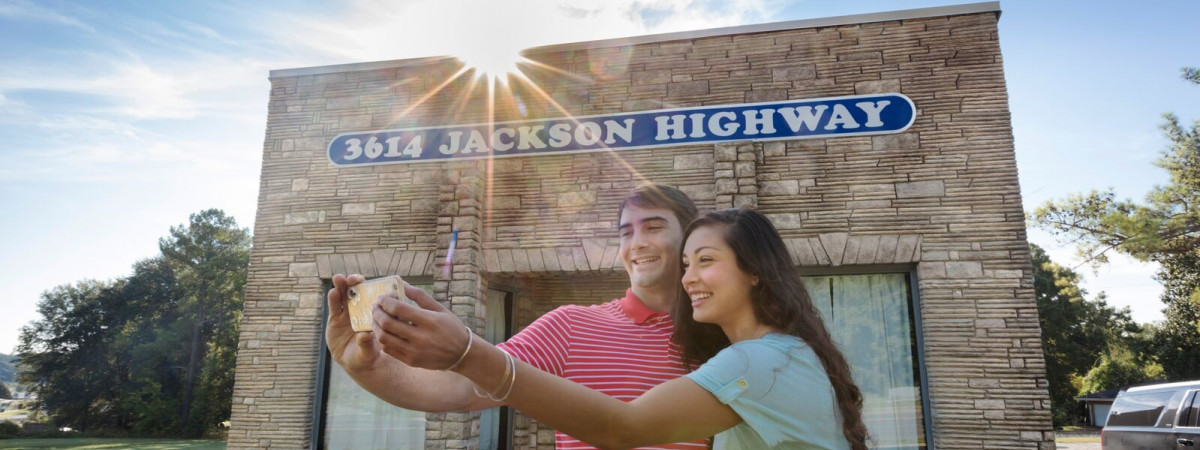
pixel 868 316
pixel 355 419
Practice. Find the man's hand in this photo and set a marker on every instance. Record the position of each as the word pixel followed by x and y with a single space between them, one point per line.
pixel 430 337
pixel 352 350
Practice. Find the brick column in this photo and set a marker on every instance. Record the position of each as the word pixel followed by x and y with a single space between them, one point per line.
pixel 458 284
pixel 735 170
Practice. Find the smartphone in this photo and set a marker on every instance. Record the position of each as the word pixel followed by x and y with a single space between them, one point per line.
pixel 365 295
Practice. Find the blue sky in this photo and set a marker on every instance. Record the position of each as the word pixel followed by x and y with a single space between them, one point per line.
pixel 119 119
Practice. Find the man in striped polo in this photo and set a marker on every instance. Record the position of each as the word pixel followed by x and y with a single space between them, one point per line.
pixel 621 348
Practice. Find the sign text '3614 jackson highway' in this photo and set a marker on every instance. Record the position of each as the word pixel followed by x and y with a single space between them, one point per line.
pixel 796 119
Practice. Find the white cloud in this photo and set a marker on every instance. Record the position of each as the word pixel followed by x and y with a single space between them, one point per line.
pixel 373 30
pixel 82 147
pixel 158 89
pixel 147 72
pixel 21 9
pixel 206 32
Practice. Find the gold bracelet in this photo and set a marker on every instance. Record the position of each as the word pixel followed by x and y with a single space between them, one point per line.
pixel 512 382
pixel 509 370
pixel 470 339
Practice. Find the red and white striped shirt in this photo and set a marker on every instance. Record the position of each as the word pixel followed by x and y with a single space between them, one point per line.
pixel 621 348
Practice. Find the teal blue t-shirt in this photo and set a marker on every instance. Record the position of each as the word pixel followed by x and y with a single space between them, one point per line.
pixel 779 388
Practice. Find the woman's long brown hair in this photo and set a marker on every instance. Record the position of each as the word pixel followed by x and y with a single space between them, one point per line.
pixel 780 301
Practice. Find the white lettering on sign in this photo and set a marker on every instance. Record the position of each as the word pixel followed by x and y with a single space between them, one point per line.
pixel 451 147
pixel 841 116
pixel 803 115
pixel 529 138
pixel 792 119
pixel 587 133
pixel 717 128
pixel 873 109
pixel 673 124
pixel 614 129
pixel 499 145
pixel 559 135
pixel 697 128
pixel 762 121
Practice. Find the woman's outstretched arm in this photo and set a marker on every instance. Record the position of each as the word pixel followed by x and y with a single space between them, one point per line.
pixel 676 411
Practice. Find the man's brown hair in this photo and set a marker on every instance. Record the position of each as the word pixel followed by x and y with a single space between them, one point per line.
pixel 661 196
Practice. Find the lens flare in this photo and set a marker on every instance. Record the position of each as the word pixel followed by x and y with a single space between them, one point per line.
pixel 496 62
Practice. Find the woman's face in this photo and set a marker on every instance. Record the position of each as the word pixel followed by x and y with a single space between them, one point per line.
pixel 718 289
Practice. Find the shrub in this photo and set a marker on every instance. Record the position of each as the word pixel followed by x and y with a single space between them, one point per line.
pixel 9 429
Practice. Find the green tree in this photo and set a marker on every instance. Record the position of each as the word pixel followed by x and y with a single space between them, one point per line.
pixel 152 344
pixel 1117 369
pixel 210 255
pixel 4 392
pixel 1177 339
pixel 1192 74
pixel 1076 332
pixel 64 357
pixel 1165 228
pixel 131 354
pixel 9 429
pixel 1167 224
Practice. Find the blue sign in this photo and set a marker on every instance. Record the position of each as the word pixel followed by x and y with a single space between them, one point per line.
pixel 794 119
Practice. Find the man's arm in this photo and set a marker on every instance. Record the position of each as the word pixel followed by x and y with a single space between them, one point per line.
pixel 387 378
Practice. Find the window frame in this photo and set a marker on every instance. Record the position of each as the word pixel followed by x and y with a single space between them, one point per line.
pixel 918 330
pixel 1194 396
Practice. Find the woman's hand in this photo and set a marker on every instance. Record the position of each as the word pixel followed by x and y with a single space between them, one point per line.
pixel 354 351
pixel 429 336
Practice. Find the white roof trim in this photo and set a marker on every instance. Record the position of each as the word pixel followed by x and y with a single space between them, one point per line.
pixel 940 11
pixel 1176 385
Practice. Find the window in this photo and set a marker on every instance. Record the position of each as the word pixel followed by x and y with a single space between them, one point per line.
pixel 1138 410
pixel 495 431
pixel 1189 412
pixel 349 417
pixel 872 319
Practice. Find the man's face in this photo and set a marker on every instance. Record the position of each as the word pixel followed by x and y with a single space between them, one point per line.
pixel 650 240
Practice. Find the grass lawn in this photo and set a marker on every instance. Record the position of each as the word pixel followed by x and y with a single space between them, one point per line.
pixel 105 444
pixel 13 412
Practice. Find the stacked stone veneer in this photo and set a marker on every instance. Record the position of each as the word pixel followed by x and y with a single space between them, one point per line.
pixel 942 196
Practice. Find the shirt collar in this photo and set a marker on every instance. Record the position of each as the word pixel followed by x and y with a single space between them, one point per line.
pixel 635 309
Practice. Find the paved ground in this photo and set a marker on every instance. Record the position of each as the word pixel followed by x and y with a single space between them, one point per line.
pixel 1080 446
pixel 1087 439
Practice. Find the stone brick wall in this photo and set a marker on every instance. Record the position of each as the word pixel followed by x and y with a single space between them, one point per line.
pixel 942 196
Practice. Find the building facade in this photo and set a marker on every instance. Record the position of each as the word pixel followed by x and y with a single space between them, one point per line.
pixel 912 242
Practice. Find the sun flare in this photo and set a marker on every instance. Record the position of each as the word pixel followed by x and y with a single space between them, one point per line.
pixel 496 63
